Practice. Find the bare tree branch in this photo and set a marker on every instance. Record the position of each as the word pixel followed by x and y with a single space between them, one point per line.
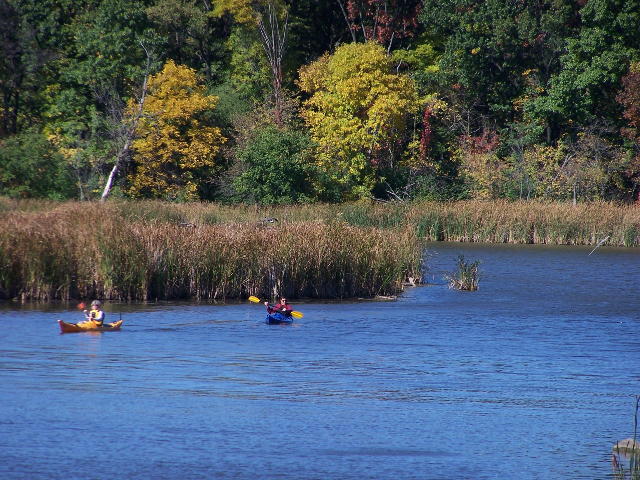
pixel 346 19
pixel 274 40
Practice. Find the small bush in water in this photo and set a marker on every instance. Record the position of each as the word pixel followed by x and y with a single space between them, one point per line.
pixel 466 277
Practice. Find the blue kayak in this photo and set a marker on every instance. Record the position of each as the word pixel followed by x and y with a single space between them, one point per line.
pixel 278 319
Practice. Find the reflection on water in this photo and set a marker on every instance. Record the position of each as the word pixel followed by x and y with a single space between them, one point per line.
pixel 533 376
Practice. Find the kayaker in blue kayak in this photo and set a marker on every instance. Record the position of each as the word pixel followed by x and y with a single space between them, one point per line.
pixel 281 311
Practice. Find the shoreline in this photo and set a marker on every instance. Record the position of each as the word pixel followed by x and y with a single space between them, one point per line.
pixel 142 250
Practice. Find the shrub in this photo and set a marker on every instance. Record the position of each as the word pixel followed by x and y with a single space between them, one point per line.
pixel 275 167
pixel 30 167
pixel 466 277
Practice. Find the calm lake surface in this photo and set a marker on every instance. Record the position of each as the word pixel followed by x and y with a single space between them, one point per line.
pixel 531 377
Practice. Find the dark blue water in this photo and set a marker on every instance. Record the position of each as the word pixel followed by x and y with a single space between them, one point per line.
pixel 531 377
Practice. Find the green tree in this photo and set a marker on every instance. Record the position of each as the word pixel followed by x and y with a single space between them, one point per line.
pixel 34 37
pixel 191 35
pixel 275 167
pixel 108 52
pixel 269 19
pixel 585 87
pixel 30 167
pixel 497 53
pixel 11 69
pixel 100 70
pixel 248 71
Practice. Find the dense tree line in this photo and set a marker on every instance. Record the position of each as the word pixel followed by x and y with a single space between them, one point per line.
pixel 284 101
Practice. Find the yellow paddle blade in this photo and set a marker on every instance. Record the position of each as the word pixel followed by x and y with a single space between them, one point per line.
pixel 253 299
pixel 295 314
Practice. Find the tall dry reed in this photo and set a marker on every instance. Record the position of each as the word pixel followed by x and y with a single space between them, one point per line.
pixel 106 251
pixel 528 222
pixel 150 249
pixel 466 277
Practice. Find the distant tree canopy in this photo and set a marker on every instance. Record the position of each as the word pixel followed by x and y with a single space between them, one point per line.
pixel 361 98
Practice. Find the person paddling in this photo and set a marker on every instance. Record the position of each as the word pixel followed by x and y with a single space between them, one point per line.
pixel 282 307
pixel 95 315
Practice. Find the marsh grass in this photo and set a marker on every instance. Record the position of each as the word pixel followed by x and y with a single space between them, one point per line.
pixel 527 222
pixel 466 277
pixel 147 250
pixel 129 252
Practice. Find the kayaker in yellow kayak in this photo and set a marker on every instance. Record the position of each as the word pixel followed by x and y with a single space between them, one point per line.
pixel 95 316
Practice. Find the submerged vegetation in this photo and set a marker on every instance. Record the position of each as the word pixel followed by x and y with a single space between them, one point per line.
pixel 147 250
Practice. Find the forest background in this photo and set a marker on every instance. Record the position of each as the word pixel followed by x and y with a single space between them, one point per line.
pixel 296 101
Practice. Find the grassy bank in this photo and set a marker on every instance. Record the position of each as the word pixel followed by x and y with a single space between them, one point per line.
pixel 154 250
pixel 146 251
pixel 467 221
pixel 530 222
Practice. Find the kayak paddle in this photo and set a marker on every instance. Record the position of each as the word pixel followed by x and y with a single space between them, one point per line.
pixel 294 313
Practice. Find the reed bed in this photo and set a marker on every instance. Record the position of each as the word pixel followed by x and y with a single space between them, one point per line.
pixel 93 250
pixel 528 222
pixel 465 221
pixel 148 250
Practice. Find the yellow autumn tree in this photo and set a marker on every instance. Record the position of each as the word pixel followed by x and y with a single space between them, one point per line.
pixel 357 111
pixel 173 139
pixel 242 10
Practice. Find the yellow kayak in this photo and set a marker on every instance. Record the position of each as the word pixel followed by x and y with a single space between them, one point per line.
pixel 88 326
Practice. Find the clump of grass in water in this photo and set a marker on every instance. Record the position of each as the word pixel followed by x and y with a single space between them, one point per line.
pixel 626 457
pixel 466 277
